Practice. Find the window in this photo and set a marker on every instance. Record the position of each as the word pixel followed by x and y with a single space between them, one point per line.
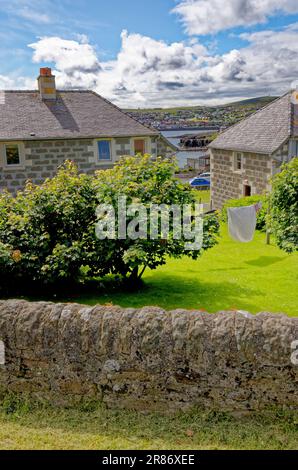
pixel 12 154
pixel 139 146
pixel 104 150
pixel 238 162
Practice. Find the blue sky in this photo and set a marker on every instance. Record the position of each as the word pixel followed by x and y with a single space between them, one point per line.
pixel 157 52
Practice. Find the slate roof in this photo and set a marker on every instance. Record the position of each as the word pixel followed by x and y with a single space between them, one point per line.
pixel 75 114
pixel 262 132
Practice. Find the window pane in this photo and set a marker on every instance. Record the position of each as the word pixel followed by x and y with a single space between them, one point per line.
pixel 104 149
pixel 238 162
pixel 140 146
pixel 12 154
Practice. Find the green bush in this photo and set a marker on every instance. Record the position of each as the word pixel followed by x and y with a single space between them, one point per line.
pixel 47 232
pixel 249 201
pixel 284 207
pixel 147 181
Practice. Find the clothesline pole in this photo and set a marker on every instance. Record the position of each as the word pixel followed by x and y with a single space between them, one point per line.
pixel 268 224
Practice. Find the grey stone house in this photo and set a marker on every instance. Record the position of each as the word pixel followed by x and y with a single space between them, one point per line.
pixel 244 157
pixel 41 129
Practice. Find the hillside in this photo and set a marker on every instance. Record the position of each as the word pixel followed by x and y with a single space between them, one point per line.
pixel 199 116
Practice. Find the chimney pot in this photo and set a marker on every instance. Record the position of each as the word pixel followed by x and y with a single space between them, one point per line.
pixel 45 72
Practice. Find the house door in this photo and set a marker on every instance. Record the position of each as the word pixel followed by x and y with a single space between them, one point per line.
pixel 246 190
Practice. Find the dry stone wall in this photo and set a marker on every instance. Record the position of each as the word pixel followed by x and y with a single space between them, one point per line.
pixel 149 358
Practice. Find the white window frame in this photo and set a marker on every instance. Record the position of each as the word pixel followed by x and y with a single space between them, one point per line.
pixel 3 156
pixel 235 162
pixel 147 141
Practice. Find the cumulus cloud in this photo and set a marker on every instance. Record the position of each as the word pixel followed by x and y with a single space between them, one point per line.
pixel 210 16
pixel 148 72
pixel 68 55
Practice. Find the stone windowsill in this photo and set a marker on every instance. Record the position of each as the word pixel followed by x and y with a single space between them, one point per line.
pixel 13 167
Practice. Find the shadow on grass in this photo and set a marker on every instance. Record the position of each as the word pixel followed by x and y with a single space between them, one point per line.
pixel 171 292
pixel 168 291
pixel 264 261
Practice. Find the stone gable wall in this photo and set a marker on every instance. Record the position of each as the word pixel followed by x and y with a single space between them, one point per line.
pixel 147 359
pixel 227 184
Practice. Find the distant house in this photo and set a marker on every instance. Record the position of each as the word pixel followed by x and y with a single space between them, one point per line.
pixel 244 157
pixel 41 129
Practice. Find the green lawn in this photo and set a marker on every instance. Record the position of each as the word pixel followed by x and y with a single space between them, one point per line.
pixel 202 196
pixel 253 277
pixel 102 429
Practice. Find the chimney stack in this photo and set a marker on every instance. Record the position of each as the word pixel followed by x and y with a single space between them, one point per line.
pixel 46 84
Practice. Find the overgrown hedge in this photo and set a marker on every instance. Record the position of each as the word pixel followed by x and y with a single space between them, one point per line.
pixel 249 201
pixel 47 232
pixel 284 207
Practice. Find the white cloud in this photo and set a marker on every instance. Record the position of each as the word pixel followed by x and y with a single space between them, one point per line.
pixel 15 81
pixel 147 72
pixel 210 16
pixel 32 11
pixel 72 58
pixel 34 16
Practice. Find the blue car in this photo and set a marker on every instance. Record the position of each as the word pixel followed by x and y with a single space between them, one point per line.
pixel 198 182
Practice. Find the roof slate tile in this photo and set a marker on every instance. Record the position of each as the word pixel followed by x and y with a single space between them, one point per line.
pixel 75 114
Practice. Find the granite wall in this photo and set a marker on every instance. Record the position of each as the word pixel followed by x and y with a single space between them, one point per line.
pixel 147 359
pixel 226 183
pixel 40 159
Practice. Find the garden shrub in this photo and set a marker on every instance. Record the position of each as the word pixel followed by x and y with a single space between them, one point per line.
pixel 284 207
pixel 47 232
pixel 147 181
pixel 249 201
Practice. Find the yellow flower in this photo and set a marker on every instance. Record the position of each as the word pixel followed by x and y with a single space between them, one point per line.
pixel 16 256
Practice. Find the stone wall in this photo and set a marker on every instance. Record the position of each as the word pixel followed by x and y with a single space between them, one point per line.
pixel 147 359
pixel 228 184
pixel 40 159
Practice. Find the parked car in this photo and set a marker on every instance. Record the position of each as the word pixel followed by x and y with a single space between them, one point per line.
pixel 199 182
pixel 205 176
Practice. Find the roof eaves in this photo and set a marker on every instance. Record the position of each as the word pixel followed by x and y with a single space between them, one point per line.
pixel 80 137
pixel 242 149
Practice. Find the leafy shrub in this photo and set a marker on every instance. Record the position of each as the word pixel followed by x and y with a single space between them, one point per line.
pixel 47 232
pixel 284 207
pixel 146 181
pixel 249 201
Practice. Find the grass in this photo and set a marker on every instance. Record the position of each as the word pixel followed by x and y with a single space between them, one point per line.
pixel 202 196
pixel 60 429
pixel 253 277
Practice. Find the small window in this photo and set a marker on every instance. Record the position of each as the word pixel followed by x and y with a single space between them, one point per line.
pixel 104 149
pixel 140 146
pixel 12 154
pixel 238 162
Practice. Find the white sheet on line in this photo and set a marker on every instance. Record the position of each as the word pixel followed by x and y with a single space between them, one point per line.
pixel 242 223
